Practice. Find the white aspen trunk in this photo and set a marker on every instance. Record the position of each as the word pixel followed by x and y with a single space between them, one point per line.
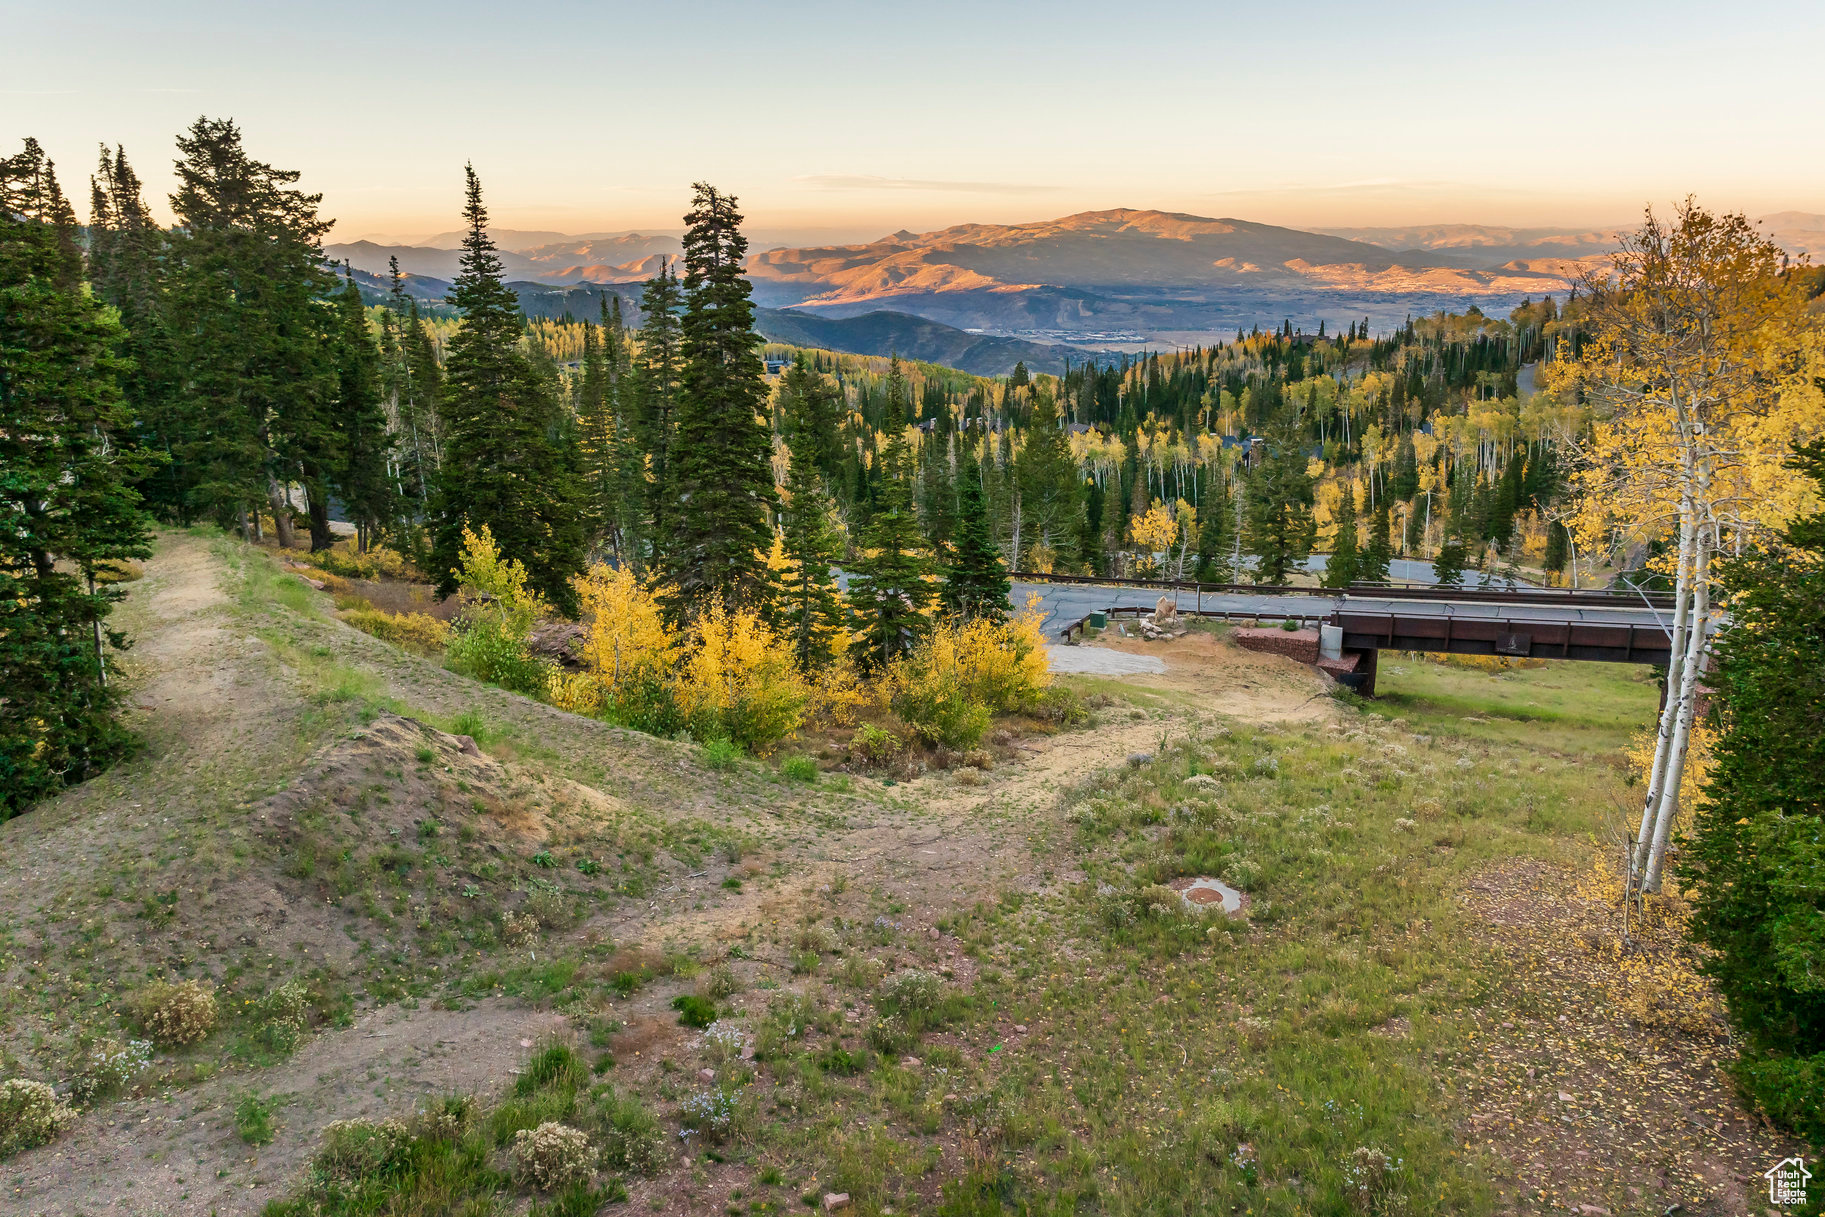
pixel 1014 558
pixel 1669 711
pixel 1687 708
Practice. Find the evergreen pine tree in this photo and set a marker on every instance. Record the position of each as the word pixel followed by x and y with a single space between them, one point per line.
pixel 598 444
pixel 976 581
pixel 890 593
pixel 1216 530
pixel 1448 564
pixel 721 490
pixel 1405 482
pixel 511 457
pixel 1341 569
pixel 809 607
pixel 1051 496
pixel 360 424
pixel 127 270
pixel 66 492
pixel 248 329
pixel 1277 507
pixel 1378 554
pixel 1758 845
pixel 652 393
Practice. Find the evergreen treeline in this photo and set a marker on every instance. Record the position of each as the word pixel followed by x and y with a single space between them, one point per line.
pixel 234 376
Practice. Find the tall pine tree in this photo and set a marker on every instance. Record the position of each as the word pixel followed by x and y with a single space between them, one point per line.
pixel 976 581
pixel 249 331
pixel 809 608
pixel 1342 567
pixel 721 477
pixel 890 590
pixel 511 458
pixel 653 393
pixel 67 473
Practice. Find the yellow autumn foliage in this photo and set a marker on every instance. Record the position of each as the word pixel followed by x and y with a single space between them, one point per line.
pixel 625 639
pixel 964 671
pixel 737 680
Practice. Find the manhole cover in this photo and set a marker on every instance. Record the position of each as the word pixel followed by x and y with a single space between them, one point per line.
pixel 1207 895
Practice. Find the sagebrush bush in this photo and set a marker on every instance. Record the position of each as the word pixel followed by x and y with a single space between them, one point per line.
pixel 632 1138
pixel 554 1155
pixel 109 1066
pixel 283 1015
pixel 31 1114
pixel 177 1014
pixel 414 631
pixel 356 1150
pixel 555 910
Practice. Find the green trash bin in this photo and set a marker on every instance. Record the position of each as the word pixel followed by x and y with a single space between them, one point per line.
pixel 1099 621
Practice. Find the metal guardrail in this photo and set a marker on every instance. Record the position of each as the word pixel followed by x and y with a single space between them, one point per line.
pixel 1398 591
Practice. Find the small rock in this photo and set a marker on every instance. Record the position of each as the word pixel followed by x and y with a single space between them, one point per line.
pixel 708 1075
pixel 747 1052
pixel 524 1043
pixel 1564 1098
pixel 1593 1210
pixel 1137 759
pixel 835 1200
pixel 934 932
pixel 950 1098
pixel 1020 1028
pixel 910 1062
pixel 467 744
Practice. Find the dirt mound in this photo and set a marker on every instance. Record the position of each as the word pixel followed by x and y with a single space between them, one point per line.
pixel 422 835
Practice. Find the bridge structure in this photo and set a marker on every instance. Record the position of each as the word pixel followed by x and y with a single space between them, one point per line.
pixel 1517 622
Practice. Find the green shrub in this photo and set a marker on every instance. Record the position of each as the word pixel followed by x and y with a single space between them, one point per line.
pixel 720 752
pixel 31 1114
pixel 943 713
pixel 1758 847
pixel 253 1121
pixel 631 1136
pixel 108 1066
pixel 875 745
pixel 694 1011
pixel 555 1065
pixel 799 768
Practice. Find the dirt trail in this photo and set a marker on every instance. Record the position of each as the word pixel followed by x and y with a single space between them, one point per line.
pixel 221 715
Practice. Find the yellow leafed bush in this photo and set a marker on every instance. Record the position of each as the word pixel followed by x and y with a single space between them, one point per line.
pixel 415 631
pixel 498 614
pixel 626 639
pixel 577 692
pixel 964 672
pixel 738 680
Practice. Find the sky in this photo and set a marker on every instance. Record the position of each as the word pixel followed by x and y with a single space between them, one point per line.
pixel 845 121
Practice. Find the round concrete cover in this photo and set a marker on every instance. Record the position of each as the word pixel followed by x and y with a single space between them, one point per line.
pixel 1205 893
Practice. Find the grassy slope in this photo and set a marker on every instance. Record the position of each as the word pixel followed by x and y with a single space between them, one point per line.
pixel 1090 1054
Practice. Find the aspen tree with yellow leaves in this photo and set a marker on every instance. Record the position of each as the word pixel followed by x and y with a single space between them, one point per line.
pixel 1700 365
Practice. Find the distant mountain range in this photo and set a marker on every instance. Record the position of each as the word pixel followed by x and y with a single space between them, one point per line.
pixel 1092 279
pixel 881 332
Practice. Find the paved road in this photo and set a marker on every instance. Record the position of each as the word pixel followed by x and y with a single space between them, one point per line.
pixel 1065 603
